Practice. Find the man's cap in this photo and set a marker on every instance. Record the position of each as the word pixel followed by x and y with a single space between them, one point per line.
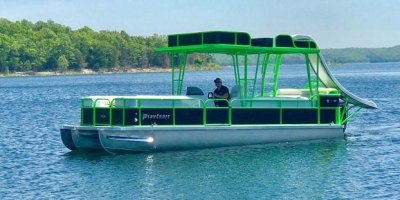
pixel 217 80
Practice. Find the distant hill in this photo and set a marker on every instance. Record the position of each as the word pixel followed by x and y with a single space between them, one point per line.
pixel 335 56
pixel 362 55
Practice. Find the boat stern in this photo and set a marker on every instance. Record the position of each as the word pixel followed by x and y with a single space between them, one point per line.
pixel 66 138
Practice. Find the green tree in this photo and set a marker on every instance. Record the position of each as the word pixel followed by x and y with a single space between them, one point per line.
pixel 62 63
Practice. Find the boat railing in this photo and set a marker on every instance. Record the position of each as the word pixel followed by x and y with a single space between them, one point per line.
pixel 131 111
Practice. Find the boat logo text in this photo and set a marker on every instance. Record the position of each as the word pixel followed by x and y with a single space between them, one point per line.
pixel 155 116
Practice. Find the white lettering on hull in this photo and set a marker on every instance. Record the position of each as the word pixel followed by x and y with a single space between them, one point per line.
pixel 155 116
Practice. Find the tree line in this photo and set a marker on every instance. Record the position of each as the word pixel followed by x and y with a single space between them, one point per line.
pixel 48 46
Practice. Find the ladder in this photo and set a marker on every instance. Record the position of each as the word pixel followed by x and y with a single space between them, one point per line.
pixel 177 82
pixel 270 75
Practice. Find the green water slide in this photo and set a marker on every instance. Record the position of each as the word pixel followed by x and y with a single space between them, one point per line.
pixel 320 67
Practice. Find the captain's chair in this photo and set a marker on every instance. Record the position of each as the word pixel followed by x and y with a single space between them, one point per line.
pixel 194 91
pixel 235 92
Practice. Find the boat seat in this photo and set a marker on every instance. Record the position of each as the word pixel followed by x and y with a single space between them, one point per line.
pixel 195 93
pixel 289 92
pixel 235 92
pixel 191 90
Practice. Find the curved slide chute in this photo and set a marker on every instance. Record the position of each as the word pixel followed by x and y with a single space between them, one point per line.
pixel 319 65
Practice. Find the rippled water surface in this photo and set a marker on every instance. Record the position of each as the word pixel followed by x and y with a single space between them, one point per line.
pixel 34 164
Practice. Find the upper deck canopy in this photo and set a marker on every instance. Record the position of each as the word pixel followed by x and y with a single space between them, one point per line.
pixel 225 42
pixel 240 43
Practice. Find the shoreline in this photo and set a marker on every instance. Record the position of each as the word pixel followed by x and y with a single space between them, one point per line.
pixel 91 72
pixel 139 70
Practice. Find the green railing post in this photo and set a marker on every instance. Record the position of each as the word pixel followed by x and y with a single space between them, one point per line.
pixel 264 71
pixel 110 111
pixel 173 112
pixel 278 58
pixel 139 102
pixel 123 112
pixel 205 113
pixel 182 67
pixel 344 108
pixel 229 113
pixel 317 73
pixel 94 115
pixel 309 76
pixel 173 72
pixel 236 38
pixel 245 77
pixel 337 114
pixel 255 77
pixel 237 71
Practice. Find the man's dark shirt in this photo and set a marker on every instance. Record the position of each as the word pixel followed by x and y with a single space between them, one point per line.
pixel 221 92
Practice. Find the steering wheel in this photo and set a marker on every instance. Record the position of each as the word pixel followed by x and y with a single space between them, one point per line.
pixel 210 95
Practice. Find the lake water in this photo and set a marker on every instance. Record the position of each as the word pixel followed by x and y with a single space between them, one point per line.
pixel 34 164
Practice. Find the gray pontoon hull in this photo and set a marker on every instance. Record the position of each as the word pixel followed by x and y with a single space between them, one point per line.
pixel 84 139
pixel 158 138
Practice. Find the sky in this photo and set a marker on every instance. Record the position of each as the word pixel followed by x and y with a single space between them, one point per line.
pixel 332 23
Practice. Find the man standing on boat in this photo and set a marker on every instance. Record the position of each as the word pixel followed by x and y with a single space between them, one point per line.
pixel 221 92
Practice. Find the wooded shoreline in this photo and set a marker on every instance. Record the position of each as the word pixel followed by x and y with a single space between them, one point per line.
pixel 91 72
pixel 48 48
pixel 133 71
